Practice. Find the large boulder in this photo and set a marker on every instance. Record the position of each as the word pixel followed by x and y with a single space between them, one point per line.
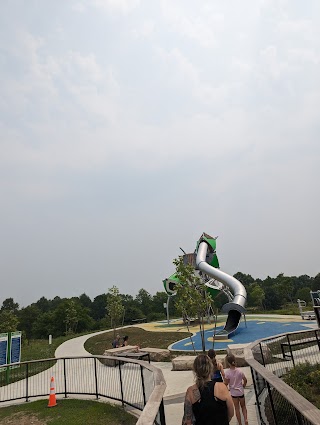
pixel 157 354
pixel 117 352
pixel 183 363
pixel 259 351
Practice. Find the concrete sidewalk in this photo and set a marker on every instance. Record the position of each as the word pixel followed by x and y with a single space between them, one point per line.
pixel 179 381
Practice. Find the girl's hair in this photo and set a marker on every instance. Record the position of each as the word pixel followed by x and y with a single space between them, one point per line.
pixel 202 368
pixel 212 355
pixel 125 338
pixel 231 359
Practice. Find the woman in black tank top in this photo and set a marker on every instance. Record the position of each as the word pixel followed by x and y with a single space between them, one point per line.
pixel 206 402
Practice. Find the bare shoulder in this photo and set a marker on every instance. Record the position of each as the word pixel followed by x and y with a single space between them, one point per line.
pixel 221 391
pixel 193 394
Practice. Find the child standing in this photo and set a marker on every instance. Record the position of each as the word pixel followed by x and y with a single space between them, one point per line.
pixel 218 372
pixel 236 380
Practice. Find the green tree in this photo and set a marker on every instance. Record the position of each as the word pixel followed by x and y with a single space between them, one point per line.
pixel 46 324
pixel 27 317
pixel 304 294
pixel 115 308
pixel 98 307
pixel 272 300
pixel 256 295
pixel 9 305
pixel 316 283
pixel 43 304
pixel 192 299
pixel 144 300
pixel 8 321
pixel 285 286
pixel 85 301
pixel 71 317
pixel 245 279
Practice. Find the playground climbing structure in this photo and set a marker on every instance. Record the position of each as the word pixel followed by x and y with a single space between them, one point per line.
pixel 206 265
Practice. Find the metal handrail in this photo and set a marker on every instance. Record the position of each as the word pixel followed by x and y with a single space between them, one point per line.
pixel 307 409
pixel 144 394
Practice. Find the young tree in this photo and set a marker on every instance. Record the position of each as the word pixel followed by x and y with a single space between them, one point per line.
pixel 8 321
pixel 115 308
pixel 71 317
pixel 192 299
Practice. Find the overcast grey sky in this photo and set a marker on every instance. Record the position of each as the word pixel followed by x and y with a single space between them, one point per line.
pixel 129 127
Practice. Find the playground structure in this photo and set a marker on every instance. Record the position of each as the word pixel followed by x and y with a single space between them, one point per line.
pixel 315 296
pixel 205 262
pixel 310 315
pixel 305 315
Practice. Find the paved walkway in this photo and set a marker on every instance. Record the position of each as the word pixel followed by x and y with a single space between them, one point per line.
pixel 177 382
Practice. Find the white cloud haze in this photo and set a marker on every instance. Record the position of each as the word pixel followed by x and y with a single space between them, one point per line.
pixel 130 127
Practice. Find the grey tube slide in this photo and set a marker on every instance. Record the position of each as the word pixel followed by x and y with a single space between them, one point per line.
pixel 240 294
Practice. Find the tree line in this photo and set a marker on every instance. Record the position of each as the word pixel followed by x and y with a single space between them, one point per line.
pixel 61 316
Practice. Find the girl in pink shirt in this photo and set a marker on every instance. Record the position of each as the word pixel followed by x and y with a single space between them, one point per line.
pixel 236 380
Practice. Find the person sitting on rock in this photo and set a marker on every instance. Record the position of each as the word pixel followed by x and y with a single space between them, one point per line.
pixel 125 341
pixel 116 342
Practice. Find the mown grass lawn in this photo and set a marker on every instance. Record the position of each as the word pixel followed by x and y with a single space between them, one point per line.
pixel 67 412
pixel 40 349
pixel 137 336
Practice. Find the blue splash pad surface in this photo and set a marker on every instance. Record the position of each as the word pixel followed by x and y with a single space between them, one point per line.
pixel 256 329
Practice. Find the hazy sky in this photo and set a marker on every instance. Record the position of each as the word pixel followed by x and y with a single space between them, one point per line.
pixel 129 127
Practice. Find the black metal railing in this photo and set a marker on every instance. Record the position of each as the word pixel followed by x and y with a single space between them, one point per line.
pixel 132 382
pixel 270 359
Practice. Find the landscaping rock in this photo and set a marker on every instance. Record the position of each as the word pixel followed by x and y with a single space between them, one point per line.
pixel 183 363
pixel 266 353
pixel 157 354
pixel 117 352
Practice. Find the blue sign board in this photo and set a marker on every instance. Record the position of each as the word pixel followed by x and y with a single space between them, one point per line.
pixel 3 348
pixel 15 352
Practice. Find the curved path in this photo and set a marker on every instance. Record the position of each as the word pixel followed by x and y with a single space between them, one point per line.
pixel 177 381
pixel 75 346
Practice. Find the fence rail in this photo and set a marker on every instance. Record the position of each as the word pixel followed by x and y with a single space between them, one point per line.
pixel 132 382
pixel 270 359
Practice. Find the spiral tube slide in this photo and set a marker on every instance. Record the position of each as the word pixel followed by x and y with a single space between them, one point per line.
pixel 234 308
pixel 240 294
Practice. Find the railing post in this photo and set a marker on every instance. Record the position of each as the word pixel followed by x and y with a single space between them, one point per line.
pixel 262 356
pixel 143 388
pixel 290 349
pixel 316 335
pixel 65 378
pixel 121 383
pixel 162 415
pixel 96 376
pixel 272 405
pixel 27 381
pixel 256 393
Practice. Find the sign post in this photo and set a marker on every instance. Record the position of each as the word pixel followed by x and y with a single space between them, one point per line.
pixel 3 350
pixel 10 351
pixel 15 347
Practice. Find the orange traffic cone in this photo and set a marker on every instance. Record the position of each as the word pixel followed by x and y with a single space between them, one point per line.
pixel 52 396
